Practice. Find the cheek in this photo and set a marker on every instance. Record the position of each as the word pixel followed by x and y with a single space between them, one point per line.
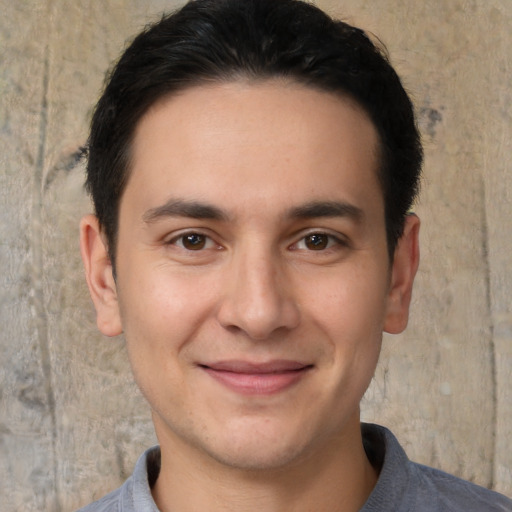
pixel 160 316
pixel 164 307
pixel 351 303
pixel 349 310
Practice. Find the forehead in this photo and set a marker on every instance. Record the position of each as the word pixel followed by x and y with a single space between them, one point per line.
pixel 271 140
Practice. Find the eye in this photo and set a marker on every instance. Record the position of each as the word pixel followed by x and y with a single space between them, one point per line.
pixel 318 242
pixel 193 241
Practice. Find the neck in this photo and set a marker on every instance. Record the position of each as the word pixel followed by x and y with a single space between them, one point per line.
pixel 336 477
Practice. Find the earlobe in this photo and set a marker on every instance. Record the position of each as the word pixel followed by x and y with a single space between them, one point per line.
pixel 403 270
pixel 99 276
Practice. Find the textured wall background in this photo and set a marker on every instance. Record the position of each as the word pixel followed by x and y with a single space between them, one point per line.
pixel 71 421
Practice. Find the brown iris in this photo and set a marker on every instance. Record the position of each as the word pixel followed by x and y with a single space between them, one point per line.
pixel 193 241
pixel 316 241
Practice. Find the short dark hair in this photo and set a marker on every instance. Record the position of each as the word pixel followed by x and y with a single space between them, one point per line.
pixel 225 40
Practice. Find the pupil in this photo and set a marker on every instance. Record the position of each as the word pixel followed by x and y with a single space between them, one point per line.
pixel 316 242
pixel 194 241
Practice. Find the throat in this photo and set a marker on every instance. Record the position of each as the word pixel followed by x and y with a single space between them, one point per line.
pixel 337 477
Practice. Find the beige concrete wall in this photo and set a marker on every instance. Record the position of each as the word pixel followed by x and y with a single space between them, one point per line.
pixel 71 421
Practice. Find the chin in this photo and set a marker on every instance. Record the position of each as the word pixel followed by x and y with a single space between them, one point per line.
pixel 259 447
pixel 256 456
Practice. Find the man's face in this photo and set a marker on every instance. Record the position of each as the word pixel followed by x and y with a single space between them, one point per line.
pixel 253 278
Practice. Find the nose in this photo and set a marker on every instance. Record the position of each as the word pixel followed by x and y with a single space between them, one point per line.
pixel 257 298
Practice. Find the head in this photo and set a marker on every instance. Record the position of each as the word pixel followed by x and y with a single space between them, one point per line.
pixel 252 163
pixel 222 41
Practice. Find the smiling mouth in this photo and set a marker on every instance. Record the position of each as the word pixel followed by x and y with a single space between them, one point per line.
pixel 257 379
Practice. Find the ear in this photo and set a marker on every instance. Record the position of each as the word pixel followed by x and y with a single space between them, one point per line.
pixel 403 269
pixel 99 276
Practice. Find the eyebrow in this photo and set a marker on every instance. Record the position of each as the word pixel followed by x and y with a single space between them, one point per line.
pixel 184 208
pixel 200 210
pixel 317 209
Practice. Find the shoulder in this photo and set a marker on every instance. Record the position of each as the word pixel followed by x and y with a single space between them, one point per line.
pixel 109 503
pixel 447 492
pixel 135 494
pixel 406 486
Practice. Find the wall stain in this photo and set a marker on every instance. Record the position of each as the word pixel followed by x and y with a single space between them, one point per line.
pixel 37 278
pixel 429 118
pixel 67 161
pixel 492 346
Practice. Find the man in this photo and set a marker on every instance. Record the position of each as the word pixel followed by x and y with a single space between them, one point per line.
pixel 252 165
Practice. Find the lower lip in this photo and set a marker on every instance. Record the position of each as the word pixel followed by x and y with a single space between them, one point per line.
pixel 257 383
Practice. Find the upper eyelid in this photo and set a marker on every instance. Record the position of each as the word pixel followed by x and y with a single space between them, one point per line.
pixel 300 234
pixel 169 237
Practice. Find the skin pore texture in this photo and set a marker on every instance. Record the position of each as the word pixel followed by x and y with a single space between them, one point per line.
pixel 253 286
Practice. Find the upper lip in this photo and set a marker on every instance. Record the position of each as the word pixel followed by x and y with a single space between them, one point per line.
pixel 250 367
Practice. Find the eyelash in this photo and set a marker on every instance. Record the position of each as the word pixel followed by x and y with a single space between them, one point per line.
pixel 331 242
pixel 179 241
pixel 206 242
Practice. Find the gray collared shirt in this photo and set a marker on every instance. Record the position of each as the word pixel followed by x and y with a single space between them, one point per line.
pixel 402 485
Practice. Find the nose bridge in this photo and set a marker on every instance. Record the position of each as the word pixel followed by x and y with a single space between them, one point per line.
pixel 259 279
pixel 259 299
